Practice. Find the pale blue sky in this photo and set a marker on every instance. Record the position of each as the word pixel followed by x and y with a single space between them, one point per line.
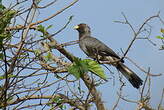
pixel 100 14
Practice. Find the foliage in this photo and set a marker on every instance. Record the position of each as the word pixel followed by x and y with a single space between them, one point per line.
pixel 161 38
pixel 5 18
pixel 43 29
pixel 59 102
pixel 80 67
pixel 9 76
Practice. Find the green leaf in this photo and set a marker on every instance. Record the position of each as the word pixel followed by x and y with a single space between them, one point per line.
pixel 5 35
pixel 159 37
pixel 83 66
pixel 74 70
pixel 50 26
pixel 1 56
pixel 6 16
pixel 9 76
pixel 37 52
pixel 41 28
pixel 162 30
pixel 79 67
pixel 48 57
pixel 95 68
pixel 2 7
pixel 57 99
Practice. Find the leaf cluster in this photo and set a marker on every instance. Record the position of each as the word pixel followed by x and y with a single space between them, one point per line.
pixel 161 38
pixel 43 30
pixel 79 67
pixel 5 18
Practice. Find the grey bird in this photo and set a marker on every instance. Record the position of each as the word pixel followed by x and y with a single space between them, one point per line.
pixel 97 50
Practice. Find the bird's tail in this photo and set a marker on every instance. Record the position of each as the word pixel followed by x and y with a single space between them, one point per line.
pixel 135 80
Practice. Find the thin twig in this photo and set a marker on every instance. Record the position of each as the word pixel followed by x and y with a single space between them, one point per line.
pixel 136 33
pixel 162 97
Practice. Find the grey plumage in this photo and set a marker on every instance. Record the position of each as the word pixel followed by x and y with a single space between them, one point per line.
pixel 97 50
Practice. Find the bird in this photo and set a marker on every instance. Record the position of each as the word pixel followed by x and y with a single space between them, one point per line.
pixel 100 52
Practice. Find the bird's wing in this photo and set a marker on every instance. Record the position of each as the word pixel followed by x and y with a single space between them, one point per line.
pixel 95 46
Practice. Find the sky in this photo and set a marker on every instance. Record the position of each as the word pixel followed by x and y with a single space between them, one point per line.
pixel 100 16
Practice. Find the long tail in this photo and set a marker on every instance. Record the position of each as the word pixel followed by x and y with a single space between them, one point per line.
pixel 135 80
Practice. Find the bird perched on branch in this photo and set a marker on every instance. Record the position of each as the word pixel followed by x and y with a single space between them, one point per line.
pixel 97 50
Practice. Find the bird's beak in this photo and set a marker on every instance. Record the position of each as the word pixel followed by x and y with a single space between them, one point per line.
pixel 76 27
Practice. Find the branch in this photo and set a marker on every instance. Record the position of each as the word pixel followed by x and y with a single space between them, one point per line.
pixel 162 97
pixel 62 96
pixel 87 80
pixel 136 33
pixel 31 25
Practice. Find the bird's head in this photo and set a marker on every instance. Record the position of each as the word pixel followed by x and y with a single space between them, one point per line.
pixel 83 29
